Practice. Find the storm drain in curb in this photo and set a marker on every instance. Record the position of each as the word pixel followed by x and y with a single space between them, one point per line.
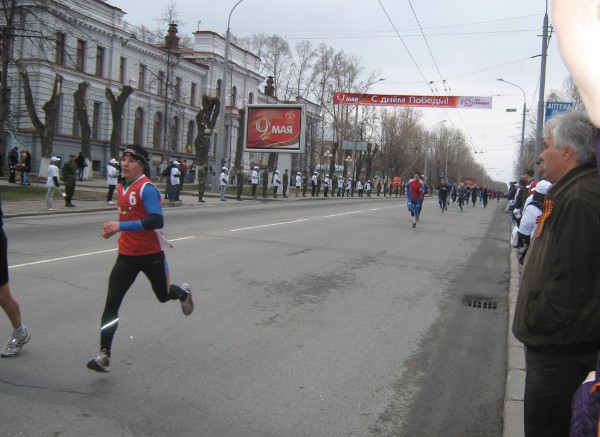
pixel 480 302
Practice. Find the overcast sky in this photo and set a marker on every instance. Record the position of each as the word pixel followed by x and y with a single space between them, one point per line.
pixel 468 44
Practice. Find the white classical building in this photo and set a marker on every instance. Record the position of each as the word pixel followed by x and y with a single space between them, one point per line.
pixel 88 40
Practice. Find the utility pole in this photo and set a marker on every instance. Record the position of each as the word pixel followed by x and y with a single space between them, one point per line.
pixel 540 114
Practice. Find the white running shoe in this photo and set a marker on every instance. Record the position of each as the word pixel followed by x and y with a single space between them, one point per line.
pixel 101 363
pixel 14 345
pixel 187 305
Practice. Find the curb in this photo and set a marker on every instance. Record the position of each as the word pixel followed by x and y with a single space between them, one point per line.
pixel 515 378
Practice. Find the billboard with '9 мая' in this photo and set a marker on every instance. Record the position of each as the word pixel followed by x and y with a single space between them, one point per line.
pixel 274 128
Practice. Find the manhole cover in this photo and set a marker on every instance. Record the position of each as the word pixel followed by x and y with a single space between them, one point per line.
pixel 485 303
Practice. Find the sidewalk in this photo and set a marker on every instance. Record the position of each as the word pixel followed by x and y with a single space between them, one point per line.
pixel 515 361
pixel 33 207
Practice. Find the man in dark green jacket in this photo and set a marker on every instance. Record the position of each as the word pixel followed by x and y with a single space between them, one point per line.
pixel 557 314
pixel 69 174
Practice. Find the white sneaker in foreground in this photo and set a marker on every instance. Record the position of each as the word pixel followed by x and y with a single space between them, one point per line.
pixel 187 305
pixel 14 345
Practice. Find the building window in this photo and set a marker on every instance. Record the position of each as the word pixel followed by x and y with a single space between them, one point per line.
pixel 193 95
pixel 80 66
pixel 138 127
pixel 175 133
pixel 156 135
pixel 122 69
pixel 219 88
pixel 190 136
pixel 100 52
pixel 96 120
pixel 177 89
pixel 61 40
pixel 142 78
pixel 233 96
pixel 251 98
pixel 161 79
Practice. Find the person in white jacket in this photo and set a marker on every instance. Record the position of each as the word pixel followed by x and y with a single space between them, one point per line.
pixel 52 182
pixel 223 178
pixel 112 174
pixel 276 183
pixel 298 183
pixel 255 180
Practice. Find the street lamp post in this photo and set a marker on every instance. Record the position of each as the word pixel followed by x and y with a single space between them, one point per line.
pixel 221 137
pixel 347 161
pixel 523 122
pixel 326 158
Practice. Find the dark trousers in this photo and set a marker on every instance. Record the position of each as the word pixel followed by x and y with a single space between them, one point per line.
pixel 122 276
pixel 69 192
pixel 285 186
pixel 264 190
pixel 111 190
pixel 551 380
pixel 254 186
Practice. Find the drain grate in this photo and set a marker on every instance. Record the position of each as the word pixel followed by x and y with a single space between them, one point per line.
pixel 480 302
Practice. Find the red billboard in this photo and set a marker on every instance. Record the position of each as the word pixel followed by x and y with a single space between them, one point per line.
pixel 457 102
pixel 396 181
pixel 470 181
pixel 274 128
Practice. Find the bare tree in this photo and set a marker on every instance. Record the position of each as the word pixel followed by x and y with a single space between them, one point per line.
pixel 206 119
pixel 117 105
pixel 50 108
pixel 80 97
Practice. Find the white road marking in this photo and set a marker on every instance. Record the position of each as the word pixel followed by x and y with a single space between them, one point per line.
pixel 62 258
pixel 268 225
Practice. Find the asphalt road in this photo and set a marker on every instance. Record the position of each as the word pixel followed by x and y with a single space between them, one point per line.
pixel 320 318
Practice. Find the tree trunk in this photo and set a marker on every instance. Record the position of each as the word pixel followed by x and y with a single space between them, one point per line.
pixel 272 161
pixel 6 40
pixel 370 155
pixel 239 147
pixel 80 98
pixel 206 119
pixel 332 162
pixel 116 108
pixel 50 108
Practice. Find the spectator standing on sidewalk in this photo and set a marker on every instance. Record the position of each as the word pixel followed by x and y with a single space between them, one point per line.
pixel 276 183
pixel 112 173
pixel 556 314
pixel 254 181
pixel 286 181
pixel 298 183
pixel 175 178
pixel 223 179
pixel 69 174
pixel 13 160
pixel 52 182
pixel 81 165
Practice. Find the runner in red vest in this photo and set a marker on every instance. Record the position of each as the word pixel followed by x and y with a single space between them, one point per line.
pixel 141 249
